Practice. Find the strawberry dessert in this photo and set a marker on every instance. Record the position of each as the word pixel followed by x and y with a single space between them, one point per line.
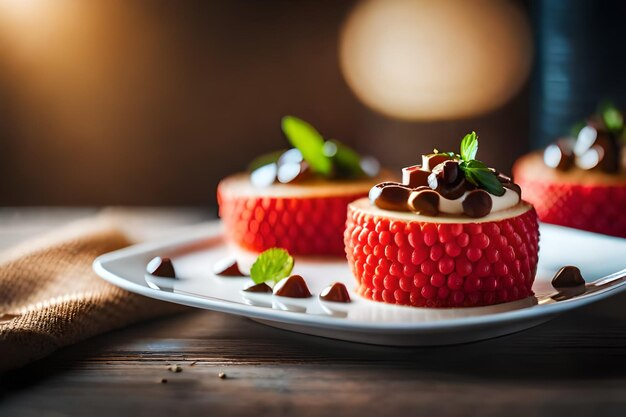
pixel 580 181
pixel 454 233
pixel 296 199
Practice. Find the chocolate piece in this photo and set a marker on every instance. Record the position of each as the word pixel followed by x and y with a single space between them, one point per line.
pixel 568 277
pixel 513 187
pixel 424 202
pixel 591 158
pixel 336 293
pixel 375 191
pixel 292 287
pixel 447 172
pixel 291 167
pixel 390 196
pixel 264 176
pixel 227 267
pixel 259 288
pixel 610 159
pixel 414 176
pixel 450 191
pixel 432 160
pixel 585 140
pixel 161 267
pixel 559 155
pixel 477 203
pixel 607 150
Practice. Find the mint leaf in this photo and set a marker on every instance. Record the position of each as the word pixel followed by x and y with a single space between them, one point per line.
pixel 271 266
pixel 345 159
pixel 469 146
pixel 309 142
pixel 611 116
pixel 481 176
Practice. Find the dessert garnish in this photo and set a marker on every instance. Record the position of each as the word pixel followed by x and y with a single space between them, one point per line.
pixel 292 287
pixel 337 293
pixel 227 267
pixel 568 277
pixel 161 267
pixel 594 144
pixel 271 266
pixel 311 157
pixel 259 288
pixel 449 183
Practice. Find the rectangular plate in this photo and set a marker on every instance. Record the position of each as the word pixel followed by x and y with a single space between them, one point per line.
pixel 195 250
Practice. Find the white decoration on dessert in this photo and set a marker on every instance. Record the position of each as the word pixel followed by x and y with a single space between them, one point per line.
pixel 365 205
pixel 509 199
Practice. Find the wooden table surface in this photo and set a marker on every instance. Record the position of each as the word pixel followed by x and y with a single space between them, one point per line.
pixel 574 365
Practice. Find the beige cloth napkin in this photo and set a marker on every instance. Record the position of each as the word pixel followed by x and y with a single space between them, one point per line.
pixel 50 297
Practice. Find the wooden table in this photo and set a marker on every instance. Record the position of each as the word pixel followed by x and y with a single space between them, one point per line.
pixel 572 366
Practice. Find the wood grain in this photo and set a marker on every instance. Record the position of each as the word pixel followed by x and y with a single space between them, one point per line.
pixel 574 365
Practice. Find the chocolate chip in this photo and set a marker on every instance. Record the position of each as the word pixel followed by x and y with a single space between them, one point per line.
pixel 227 267
pixel 447 172
pixel 390 196
pixel 424 202
pixel 161 267
pixel 559 155
pixel 568 277
pixel 292 287
pixel 258 288
pixel 449 191
pixel 591 158
pixel 477 203
pixel 432 160
pixel 610 159
pixel 414 176
pixel 337 293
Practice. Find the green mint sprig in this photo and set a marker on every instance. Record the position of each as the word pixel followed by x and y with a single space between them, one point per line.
pixel 326 158
pixel 309 142
pixel 613 118
pixel 476 172
pixel 271 266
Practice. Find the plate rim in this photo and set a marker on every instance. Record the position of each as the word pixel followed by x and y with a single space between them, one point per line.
pixel 213 229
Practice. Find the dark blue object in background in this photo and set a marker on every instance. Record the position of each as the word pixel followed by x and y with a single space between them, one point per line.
pixel 581 60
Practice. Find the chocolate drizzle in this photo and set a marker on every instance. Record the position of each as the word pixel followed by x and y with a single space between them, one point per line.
pixel 422 189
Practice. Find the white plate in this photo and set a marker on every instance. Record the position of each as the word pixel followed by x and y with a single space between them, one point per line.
pixel 196 250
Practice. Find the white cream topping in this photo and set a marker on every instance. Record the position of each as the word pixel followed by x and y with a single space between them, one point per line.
pixel 364 204
pixel 509 199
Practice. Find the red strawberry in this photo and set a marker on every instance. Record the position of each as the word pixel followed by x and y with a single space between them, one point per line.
pixel 593 201
pixel 305 219
pixel 405 258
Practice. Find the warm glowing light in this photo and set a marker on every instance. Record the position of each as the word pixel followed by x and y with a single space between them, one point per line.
pixel 22 10
pixel 428 60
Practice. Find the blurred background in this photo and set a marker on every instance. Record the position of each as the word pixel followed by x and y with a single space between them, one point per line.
pixel 151 102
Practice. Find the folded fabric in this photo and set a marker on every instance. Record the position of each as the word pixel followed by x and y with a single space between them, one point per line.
pixel 50 297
